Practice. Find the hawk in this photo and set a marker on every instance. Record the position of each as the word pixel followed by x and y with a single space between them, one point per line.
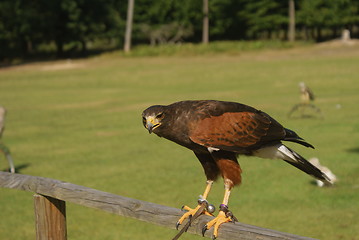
pixel 306 94
pixel 217 132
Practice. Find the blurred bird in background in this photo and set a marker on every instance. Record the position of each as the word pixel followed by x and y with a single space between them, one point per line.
pixel 3 147
pixel 306 94
pixel 306 101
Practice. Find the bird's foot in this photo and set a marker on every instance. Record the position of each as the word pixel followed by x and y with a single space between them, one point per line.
pixel 224 216
pixel 192 213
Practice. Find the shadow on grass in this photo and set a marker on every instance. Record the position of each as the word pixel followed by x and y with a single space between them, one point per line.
pixel 353 150
pixel 51 56
pixel 18 168
pixel 306 116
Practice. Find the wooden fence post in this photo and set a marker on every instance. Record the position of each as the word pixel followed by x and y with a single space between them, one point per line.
pixel 50 217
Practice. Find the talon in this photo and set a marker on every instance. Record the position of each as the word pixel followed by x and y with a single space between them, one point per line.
pixel 230 215
pixel 191 214
pixel 185 208
pixel 177 225
pixel 204 230
pixel 217 222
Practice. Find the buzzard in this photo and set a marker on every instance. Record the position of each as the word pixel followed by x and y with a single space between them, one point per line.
pixel 306 94
pixel 217 132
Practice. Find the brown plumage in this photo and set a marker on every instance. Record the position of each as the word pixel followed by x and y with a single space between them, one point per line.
pixel 217 132
pixel 306 94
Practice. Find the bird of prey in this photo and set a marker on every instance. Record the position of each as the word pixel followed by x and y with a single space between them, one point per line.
pixel 3 148
pixel 306 97
pixel 217 132
pixel 2 119
pixel 306 94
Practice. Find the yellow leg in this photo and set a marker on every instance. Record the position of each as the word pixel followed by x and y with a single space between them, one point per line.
pixel 208 188
pixel 223 216
pixel 227 193
pixel 190 211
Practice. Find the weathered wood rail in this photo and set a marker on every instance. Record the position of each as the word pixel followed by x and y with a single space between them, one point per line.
pixel 51 195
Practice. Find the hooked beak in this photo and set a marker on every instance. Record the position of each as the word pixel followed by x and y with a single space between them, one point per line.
pixel 149 127
pixel 151 124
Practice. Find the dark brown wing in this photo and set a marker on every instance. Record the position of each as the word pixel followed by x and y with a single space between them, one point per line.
pixel 236 131
pixel 310 93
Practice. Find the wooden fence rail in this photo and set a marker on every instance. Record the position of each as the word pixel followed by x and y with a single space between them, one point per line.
pixel 57 193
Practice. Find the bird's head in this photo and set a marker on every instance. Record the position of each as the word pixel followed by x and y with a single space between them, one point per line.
pixel 152 117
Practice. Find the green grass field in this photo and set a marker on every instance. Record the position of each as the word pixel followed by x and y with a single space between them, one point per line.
pixel 80 122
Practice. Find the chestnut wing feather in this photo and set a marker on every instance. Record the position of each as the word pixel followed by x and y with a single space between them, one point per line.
pixel 236 130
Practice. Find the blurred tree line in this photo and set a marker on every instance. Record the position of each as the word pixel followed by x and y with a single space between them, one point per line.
pixel 29 27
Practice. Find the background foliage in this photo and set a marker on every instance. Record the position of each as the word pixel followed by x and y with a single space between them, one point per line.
pixel 66 27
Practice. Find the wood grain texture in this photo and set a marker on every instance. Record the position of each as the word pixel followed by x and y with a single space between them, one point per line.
pixel 128 207
pixel 50 218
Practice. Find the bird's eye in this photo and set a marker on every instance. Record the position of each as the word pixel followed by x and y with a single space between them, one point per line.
pixel 144 120
pixel 159 116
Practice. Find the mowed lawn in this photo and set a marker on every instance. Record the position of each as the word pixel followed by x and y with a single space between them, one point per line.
pixel 80 121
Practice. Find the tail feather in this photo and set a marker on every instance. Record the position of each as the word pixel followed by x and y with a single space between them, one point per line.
pixel 280 151
pixel 302 164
